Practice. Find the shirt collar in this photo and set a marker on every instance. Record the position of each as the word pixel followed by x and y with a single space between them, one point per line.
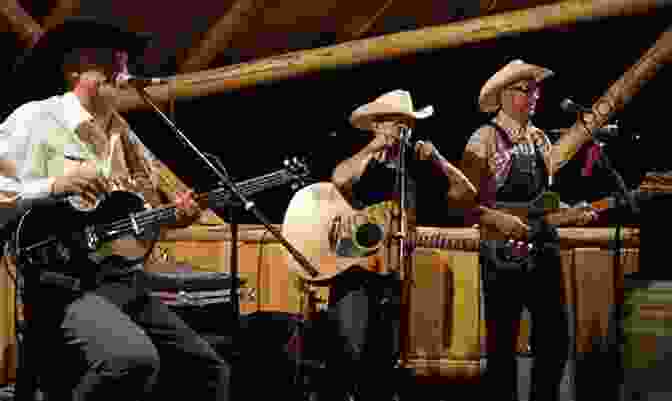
pixel 73 112
pixel 512 127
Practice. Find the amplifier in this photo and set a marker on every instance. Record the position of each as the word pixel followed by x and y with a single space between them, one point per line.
pixel 201 298
pixel 647 330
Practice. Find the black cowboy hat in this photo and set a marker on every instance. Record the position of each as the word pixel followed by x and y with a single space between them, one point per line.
pixel 40 67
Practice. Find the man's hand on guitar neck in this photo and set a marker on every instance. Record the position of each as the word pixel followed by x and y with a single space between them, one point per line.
pixel 587 217
pixel 575 216
pixel 187 209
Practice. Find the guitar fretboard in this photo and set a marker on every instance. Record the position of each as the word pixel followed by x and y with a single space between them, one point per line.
pixel 441 241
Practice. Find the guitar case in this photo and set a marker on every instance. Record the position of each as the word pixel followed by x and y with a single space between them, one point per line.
pixel 196 296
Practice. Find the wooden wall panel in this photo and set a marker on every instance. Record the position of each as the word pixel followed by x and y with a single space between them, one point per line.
pixel 446 328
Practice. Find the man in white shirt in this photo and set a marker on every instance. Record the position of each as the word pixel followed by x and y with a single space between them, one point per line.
pixel 107 339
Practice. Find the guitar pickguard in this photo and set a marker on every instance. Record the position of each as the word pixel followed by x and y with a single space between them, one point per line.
pixel 71 225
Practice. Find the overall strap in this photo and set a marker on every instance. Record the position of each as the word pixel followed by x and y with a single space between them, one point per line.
pixel 505 137
pixel 502 133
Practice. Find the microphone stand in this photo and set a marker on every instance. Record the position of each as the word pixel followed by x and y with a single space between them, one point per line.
pixel 233 256
pixel 624 197
pixel 402 190
pixel 238 199
pixel 401 183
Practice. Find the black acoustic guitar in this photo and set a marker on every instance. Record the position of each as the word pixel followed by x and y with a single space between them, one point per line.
pixel 55 233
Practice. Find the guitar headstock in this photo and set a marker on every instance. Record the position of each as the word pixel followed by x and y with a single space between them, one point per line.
pixel 298 171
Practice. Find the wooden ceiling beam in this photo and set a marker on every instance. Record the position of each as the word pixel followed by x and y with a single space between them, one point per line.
pixel 221 34
pixel 360 26
pixel 619 94
pixel 388 47
pixel 20 22
pixel 60 11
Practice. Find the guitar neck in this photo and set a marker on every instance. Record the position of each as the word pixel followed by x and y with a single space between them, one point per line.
pixel 611 202
pixel 137 222
pixel 432 241
pixel 248 187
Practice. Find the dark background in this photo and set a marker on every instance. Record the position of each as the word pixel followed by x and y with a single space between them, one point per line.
pixel 254 129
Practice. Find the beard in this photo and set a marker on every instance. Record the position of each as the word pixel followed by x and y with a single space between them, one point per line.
pixel 105 101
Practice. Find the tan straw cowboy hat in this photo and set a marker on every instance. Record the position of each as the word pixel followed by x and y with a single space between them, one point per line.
pixel 515 71
pixel 397 103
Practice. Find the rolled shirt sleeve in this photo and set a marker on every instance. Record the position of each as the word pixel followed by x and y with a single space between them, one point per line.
pixel 21 148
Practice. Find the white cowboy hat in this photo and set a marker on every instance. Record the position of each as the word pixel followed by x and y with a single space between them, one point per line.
pixel 396 103
pixel 515 71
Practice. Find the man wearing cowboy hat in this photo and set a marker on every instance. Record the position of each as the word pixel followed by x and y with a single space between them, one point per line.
pixel 67 138
pixel 365 305
pixel 508 160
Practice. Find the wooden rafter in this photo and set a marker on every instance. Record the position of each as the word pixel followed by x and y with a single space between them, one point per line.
pixel 221 34
pixel 20 22
pixel 60 11
pixel 361 26
pixel 613 100
pixel 388 47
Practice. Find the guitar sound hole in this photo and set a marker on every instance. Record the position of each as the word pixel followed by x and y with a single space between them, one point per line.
pixel 368 235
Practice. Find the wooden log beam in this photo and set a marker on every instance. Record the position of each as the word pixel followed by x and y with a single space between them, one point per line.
pixel 393 46
pixel 614 99
pixel 60 11
pixel 21 22
pixel 221 34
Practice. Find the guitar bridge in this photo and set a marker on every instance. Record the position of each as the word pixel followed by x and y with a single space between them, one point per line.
pixel 91 239
pixel 136 229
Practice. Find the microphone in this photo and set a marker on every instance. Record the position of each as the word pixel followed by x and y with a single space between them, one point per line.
pixel 602 133
pixel 606 132
pixel 134 80
pixel 569 106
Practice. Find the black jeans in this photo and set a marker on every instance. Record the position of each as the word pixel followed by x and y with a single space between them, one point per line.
pixel 363 316
pixel 116 342
pixel 537 285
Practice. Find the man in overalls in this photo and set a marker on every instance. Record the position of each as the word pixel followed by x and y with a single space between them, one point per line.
pixel 508 159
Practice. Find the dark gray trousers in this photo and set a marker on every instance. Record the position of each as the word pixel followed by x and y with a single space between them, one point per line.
pixel 363 317
pixel 116 342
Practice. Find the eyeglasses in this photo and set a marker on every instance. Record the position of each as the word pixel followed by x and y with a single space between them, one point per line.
pixel 526 89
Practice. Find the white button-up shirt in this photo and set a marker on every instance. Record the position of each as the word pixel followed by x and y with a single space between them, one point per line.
pixel 38 138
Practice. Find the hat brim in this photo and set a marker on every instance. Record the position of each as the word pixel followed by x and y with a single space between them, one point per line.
pixel 365 116
pixel 83 32
pixel 489 97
